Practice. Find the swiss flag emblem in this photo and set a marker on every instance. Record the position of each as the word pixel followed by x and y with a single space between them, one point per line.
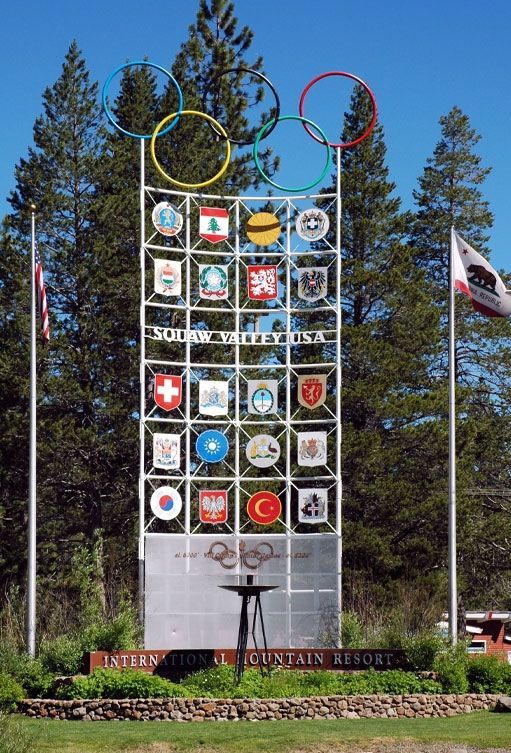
pixel 167 391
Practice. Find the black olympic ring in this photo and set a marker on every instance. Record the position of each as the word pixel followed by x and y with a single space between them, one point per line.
pixel 257 75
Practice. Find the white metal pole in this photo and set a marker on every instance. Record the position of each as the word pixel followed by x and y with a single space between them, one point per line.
pixel 141 480
pixel 188 376
pixel 287 511
pixel 32 459
pixel 338 457
pixel 237 428
pixel 453 596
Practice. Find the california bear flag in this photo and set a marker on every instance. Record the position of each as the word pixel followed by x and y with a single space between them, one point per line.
pixel 475 277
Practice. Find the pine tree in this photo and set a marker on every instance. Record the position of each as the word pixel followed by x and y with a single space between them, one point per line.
pixel 14 391
pixel 450 195
pixel 60 176
pixel 194 150
pixel 388 341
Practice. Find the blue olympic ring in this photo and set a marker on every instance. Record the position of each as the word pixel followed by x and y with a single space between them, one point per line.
pixel 111 117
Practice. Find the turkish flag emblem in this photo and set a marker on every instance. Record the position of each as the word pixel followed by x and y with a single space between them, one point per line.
pixel 167 391
pixel 264 508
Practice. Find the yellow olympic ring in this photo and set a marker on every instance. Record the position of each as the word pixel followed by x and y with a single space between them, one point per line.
pixel 215 124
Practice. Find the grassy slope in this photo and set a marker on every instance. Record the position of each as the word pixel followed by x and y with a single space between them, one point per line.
pixel 481 730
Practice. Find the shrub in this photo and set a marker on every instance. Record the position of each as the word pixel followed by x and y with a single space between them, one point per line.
pixel 392 681
pixel 13 737
pixel 488 674
pixel 451 667
pixel 352 631
pixel 421 650
pixel 283 683
pixel 218 681
pixel 121 632
pixel 62 655
pixel 11 692
pixel 29 673
pixel 112 683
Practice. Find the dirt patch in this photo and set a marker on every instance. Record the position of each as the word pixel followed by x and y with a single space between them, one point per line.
pixel 170 748
pixel 377 746
pixel 396 746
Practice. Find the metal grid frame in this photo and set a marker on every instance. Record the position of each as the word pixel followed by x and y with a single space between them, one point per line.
pixel 287 256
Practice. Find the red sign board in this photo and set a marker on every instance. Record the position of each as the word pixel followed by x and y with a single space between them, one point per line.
pixel 176 663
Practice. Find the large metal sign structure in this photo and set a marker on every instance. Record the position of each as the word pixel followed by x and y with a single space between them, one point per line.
pixel 240 408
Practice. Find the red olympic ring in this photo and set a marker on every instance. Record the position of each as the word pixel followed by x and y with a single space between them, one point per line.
pixel 371 125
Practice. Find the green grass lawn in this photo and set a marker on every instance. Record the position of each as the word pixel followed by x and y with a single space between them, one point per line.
pixel 481 730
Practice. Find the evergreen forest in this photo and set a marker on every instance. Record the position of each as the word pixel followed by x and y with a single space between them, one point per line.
pixel 83 177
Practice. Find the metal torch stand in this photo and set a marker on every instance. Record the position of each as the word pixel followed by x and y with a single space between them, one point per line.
pixel 246 592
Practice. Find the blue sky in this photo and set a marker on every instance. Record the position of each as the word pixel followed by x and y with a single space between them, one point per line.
pixel 420 59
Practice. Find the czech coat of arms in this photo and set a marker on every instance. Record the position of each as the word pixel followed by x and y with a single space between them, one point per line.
pixel 262 282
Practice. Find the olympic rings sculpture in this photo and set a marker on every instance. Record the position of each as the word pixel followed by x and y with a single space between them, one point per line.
pixel 252 558
pixel 162 128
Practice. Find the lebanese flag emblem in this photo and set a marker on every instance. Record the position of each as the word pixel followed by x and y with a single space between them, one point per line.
pixel 214 224
pixel 167 391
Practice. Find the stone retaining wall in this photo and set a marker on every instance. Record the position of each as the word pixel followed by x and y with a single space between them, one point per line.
pixel 207 709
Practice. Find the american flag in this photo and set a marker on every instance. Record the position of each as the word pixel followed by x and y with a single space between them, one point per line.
pixel 41 296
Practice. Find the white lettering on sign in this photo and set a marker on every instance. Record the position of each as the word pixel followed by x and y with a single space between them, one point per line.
pixel 201 337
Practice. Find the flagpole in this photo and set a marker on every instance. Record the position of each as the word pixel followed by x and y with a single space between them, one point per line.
pixel 338 369
pixel 32 512
pixel 453 596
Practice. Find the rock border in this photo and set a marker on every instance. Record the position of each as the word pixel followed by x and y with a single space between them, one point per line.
pixel 235 709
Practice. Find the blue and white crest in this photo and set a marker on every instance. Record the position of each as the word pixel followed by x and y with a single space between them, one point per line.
pixel 213 398
pixel 167 219
pixel 212 446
